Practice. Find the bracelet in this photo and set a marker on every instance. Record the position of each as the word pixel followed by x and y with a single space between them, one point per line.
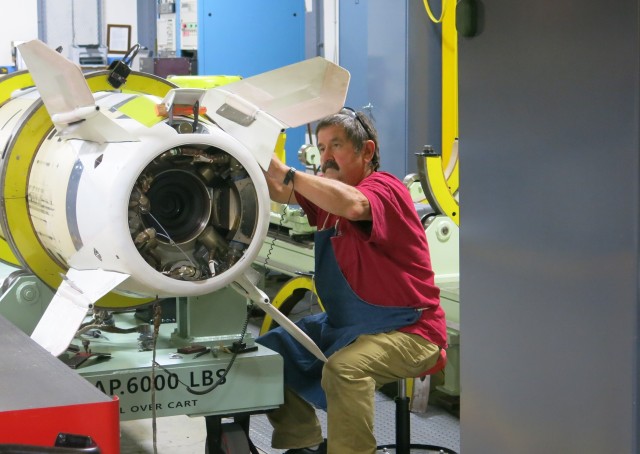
pixel 288 178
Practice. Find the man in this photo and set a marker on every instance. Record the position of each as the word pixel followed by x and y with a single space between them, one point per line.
pixel 382 319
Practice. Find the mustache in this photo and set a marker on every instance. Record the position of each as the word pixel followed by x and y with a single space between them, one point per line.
pixel 331 164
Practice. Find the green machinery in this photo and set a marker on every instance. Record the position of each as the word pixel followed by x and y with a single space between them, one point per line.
pixel 221 373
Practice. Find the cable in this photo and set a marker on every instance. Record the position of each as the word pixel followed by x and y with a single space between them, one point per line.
pixel 222 377
pixel 157 319
pixel 430 13
pixel 119 70
pixel 309 133
pixel 166 235
pixel 131 54
pixel 280 225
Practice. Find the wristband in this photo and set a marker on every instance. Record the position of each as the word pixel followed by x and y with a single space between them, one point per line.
pixel 288 178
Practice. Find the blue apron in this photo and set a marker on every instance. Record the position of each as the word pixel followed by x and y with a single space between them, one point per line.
pixel 346 317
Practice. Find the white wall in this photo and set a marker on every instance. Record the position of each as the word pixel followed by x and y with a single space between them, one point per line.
pixel 18 23
pixel 71 22
pixel 120 12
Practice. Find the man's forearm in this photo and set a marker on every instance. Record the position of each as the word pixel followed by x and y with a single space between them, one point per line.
pixel 278 191
pixel 334 196
pixel 328 194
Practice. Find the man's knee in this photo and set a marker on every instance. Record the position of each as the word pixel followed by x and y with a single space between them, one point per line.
pixel 338 370
pixel 332 369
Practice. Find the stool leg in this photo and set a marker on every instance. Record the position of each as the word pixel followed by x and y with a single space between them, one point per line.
pixel 403 420
pixel 403 426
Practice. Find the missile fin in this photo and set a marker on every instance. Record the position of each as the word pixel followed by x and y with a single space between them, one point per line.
pixel 76 295
pixel 245 286
pixel 95 128
pixel 256 109
pixel 67 96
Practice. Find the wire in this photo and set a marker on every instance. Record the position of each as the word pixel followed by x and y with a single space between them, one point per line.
pixel 430 13
pixel 272 245
pixel 157 319
pixel 221 378
pixel 131 54
pixel 309 133
pixel 166 235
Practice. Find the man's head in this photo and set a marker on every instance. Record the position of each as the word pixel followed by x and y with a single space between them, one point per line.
pixel 348 144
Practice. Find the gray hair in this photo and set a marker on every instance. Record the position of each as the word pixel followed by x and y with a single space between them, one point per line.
pixel 358 128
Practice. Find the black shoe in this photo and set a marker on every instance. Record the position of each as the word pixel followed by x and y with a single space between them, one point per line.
pixel 321 449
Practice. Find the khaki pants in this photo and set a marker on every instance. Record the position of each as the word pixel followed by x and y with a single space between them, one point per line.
pixel 349 379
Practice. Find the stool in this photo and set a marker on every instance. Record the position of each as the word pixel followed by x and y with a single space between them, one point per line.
pixel 403 420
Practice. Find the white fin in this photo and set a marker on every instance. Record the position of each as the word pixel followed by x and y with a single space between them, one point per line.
pixel 68 98
pixel 255 110
pixel 246 287
pixel 68 308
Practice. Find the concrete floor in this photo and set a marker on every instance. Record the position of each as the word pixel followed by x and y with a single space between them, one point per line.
pixel 174 435
pixel 184 435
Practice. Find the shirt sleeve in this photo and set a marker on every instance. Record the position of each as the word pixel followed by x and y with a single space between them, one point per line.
pixel 384 199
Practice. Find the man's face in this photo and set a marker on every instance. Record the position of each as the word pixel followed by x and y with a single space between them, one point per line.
pixel 338 157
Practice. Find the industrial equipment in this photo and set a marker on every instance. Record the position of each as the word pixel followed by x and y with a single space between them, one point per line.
pixel 116 198
pixel 120 194
pixel 128 194
pixel 89 55
pixel 166 66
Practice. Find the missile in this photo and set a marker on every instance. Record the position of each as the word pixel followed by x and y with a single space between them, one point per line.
pixel 115 197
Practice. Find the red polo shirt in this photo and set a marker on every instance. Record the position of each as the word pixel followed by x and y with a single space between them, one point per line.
pixel 387 262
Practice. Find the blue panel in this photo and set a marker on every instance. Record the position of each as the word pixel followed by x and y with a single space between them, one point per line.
pixel 178 36
pixel 353 50
pixel 372 49
pixel 424 81
pixel 249 37
pixel 146 23
pixel 387 81
pixel 392 51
